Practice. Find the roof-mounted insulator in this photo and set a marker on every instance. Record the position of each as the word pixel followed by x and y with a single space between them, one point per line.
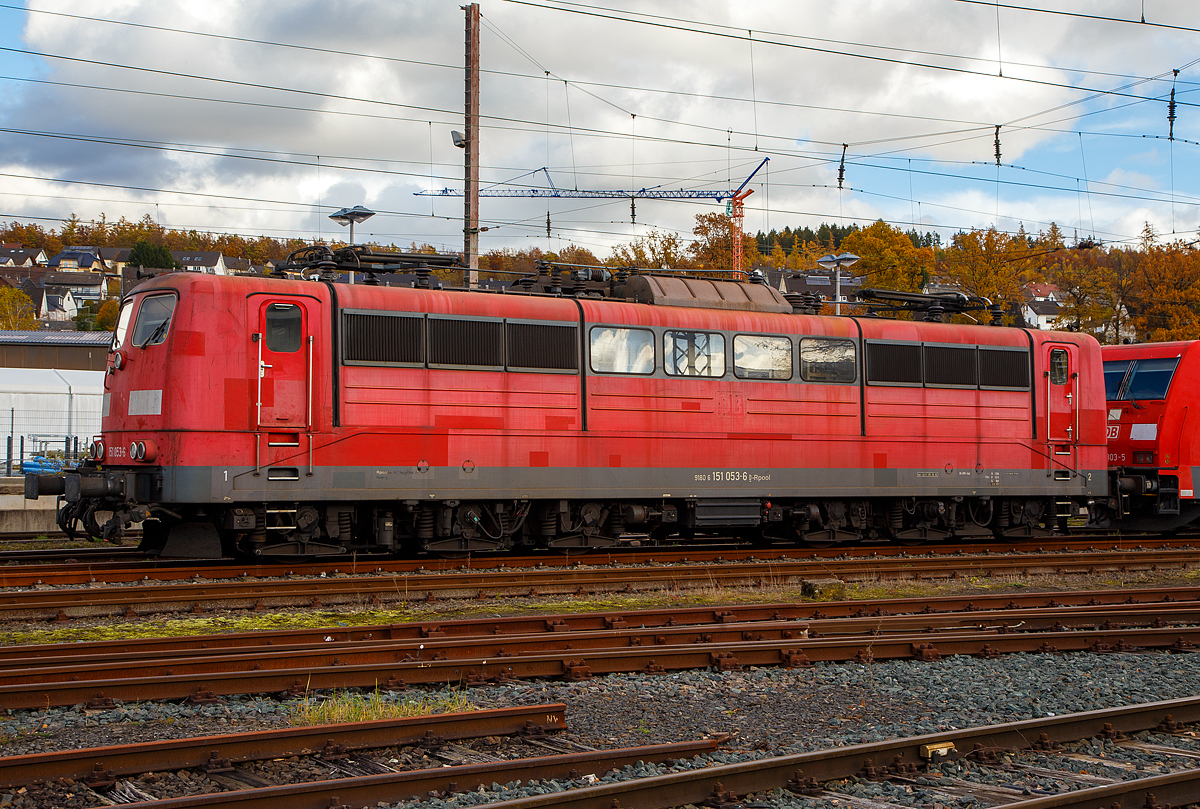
pixel 997 144
pixel 842 167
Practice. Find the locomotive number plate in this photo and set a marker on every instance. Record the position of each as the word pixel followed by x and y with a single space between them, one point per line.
pixel 732 476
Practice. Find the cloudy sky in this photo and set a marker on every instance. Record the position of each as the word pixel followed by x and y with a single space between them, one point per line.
pixel 256 117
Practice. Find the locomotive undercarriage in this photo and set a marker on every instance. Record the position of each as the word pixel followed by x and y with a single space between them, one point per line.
pixel 456 528
pixel 105 505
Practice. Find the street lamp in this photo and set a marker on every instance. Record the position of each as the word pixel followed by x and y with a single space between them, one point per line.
pixel 348 216
pixel 837 263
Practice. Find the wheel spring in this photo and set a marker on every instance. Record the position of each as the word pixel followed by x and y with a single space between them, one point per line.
pixel 344 524
pixel 425 522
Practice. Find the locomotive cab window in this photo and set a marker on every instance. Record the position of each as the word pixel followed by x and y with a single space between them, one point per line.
pixel 693 353
pixel 1059 366
pixel 1150 378
pixel 622 351
pixel 153 320
pixel 827 361
pixel 284 328
pixel 760 357
pixel 122 325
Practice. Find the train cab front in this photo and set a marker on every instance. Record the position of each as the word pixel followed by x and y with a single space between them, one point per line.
pixel 120 484
pixel 1148 388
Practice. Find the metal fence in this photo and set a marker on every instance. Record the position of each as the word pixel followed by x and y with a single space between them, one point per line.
pixel 51 439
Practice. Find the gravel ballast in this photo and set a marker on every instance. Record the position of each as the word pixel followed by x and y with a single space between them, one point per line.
pixel 768 711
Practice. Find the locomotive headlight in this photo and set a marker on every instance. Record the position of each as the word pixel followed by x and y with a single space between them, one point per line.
pixel 118 360
pixel 141 445
pixel 98 450
pixel 133 451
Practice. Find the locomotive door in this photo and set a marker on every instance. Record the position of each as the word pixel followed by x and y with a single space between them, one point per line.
pixel 1062 405
pixel 283 348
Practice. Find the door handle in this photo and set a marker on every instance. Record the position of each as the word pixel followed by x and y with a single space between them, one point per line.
pixel 262 369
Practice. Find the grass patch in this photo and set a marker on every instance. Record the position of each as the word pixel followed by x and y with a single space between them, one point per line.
pixel 355 707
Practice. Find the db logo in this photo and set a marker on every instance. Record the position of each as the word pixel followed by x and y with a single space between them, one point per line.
pixel 1113 429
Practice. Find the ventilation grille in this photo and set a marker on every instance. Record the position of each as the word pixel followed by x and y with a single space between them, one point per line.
pixel 533 345
pixel 894 363
pixel 466 342
pixel 383 339
pixel 950 365
pixel 1003 369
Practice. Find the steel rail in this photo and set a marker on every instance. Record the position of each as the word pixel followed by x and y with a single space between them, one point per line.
pixel 73 662
pixel 313 656
pixel 163 569
pixel 466 627
pixel 175 754
pixel 697 786
pixel 97 601
pixel 402 786
pixel 574 664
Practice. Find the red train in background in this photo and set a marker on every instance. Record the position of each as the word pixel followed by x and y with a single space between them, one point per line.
pixel 1153 435
pixel 274 416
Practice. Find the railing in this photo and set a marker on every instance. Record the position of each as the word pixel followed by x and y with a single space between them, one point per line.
pixel 55 439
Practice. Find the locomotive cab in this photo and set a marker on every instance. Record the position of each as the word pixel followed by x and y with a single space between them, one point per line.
pixel 1151 438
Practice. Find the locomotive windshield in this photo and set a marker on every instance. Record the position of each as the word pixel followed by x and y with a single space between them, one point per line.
pixel 1114 375
pixel 1146 379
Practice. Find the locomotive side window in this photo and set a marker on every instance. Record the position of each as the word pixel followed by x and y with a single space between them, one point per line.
pixel 1059 366
pixel 122 324
pixel 153 320
pixel 693 353
pixel 622 351
pixel 1114 375
pixel 827 360
pixel 285 328
pixel 759 357
pixel 1150 378
pixel 1000 368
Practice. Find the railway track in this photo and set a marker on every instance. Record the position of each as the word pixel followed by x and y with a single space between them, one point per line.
pixel 475 652
pixel 120 558
pixel 240 590
pixel 357 757
pixel 1020 752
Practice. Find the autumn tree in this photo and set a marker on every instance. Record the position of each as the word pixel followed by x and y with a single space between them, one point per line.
pixel 713 246
pixel 656 250
pixel 888 259
pixel 1169 287
pixel 16 310
pixel 989 264
pixel 106 318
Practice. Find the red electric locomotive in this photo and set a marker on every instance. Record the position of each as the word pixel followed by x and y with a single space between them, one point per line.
pixel 272 416
pixel 1153 442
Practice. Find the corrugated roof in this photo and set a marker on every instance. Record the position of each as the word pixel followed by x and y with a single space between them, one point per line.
pixel 55 338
